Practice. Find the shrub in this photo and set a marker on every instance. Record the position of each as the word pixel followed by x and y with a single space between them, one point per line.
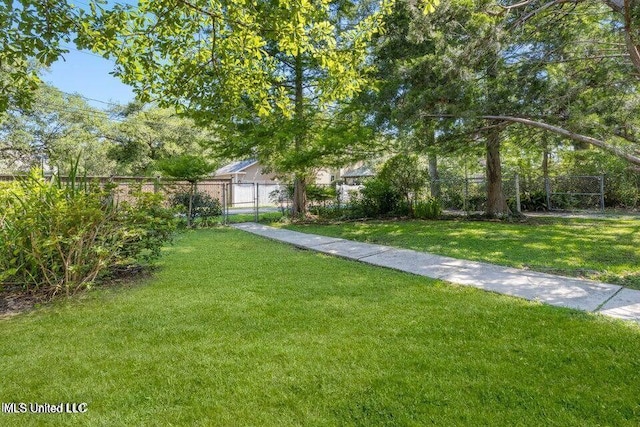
pixel 531 201
pixel 406 177
pixel 377 198
pixel 317 194
pixel 394 191
pixel 204 207
pixel 60 237
pixel 477 203
pixel 427 209
pixel 452 199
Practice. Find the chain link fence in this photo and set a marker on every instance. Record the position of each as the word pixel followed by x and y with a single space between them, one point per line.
pixel 561 193
pixel 256 201
pixel 575 192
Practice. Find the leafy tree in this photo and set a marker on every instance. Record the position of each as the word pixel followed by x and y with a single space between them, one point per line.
pixel 272 69
pixel 449 64
pixel 470 71
pixel 189 168
pixel 32 37
pixel 145 135
pixel 406 176
pixel 56 129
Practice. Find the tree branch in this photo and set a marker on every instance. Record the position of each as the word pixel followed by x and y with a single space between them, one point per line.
pixel 542 8
pixel 559 131
pixel 632 47
pixel 517 5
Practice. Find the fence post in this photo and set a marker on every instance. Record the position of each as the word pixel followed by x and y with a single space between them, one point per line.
pixel 547 190
pixel 257 200
pixel 465 202
pixel 156 184
pixel 601 192
pixel 517 182
pixel 224 203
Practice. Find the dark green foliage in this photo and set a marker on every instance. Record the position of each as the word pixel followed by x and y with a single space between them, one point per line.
pixel 187 167
pixel 190 168
pixel 58 236
pixel 405 176
pixel 427 209
pixel 204 207
pixel 452 199
pixel 530 202
pixel 377 198
pixel 319 193
pixel 395 190
pixel 477 203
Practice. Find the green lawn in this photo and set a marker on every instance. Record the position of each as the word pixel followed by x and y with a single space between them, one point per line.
pixel 599 249
pixel 238 330
pixel 262 217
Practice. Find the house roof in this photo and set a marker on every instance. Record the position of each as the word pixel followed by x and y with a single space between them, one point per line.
pixel 236 167
pixel 359 172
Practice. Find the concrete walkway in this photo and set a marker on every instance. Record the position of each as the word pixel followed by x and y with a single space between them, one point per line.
pixel 587 295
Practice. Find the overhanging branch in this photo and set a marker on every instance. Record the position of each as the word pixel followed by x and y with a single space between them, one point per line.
pixel 559 131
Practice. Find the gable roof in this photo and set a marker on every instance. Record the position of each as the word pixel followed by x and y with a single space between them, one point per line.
pixel 236 167
pixel 359 172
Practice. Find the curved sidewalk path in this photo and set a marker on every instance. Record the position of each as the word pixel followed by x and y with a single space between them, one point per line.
pixel 607 299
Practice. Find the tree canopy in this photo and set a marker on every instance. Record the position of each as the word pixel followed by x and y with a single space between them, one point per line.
pixel 34 34
pixel 275 73
pixel 56 129
pixel 142 135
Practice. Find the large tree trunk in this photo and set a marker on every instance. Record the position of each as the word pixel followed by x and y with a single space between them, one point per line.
pixel 496 202
pixel 300 196
pixel 434 177
pixel 299 208
pixel 625 8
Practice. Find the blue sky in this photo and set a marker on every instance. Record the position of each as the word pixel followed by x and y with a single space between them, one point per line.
pixel 87 74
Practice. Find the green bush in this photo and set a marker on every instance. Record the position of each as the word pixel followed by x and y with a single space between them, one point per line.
pixel 406 177
pixel 477 203
pixel 317 194
pixel 60 237
pixel 204 207
pixel 428 209
pixel 377 198
pixel 452 200
pixel 531 202
pixel 394 191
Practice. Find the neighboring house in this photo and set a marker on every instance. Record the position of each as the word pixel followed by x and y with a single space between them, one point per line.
pixel 358 175
pixel 249 183
pixel 251 172
pixel 246 171
pixel 245 174
pixel 325 177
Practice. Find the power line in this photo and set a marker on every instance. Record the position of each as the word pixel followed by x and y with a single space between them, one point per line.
pixel 121 3
pixel 86 52
pixel 77 110
pixel 114 104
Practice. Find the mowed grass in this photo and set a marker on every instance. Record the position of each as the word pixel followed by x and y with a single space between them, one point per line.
pixel 599 249
pixel 238 330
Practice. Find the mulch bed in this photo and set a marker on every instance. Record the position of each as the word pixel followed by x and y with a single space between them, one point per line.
pixel 14 299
